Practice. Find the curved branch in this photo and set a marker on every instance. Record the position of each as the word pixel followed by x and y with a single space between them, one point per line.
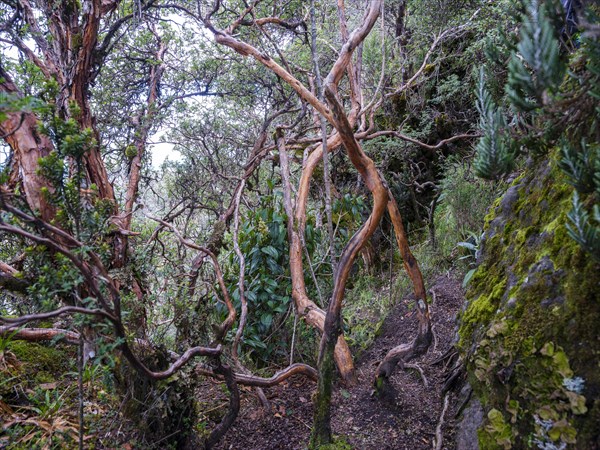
pixel 234 406
pixel 404 137
pixel 84 268
pixel 18 321
pixel 178 364
pixel 228 322
pixel 357 36
pixel 278 377
pixel 224 38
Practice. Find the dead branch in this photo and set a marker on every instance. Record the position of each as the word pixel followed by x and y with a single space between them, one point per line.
pixel 39 334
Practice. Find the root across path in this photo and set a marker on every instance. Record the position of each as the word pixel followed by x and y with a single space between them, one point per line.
pixel 410 420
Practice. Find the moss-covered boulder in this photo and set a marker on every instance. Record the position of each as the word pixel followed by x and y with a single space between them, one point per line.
pixel 530 332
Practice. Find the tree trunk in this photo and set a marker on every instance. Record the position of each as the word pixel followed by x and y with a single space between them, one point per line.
pixel 20 130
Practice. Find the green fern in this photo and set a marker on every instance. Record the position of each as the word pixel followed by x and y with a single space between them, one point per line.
pixel 494 157
pixel 536 70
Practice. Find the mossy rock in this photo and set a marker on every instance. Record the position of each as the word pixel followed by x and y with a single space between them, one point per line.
pixel 529 331
pixel 37 358
pixel 28 364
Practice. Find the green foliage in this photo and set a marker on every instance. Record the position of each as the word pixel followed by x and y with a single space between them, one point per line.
pixel 585 230
pixel 366 307
pixel 263 241
pixel 346 213
pixel 463 202
pixel 473 247
pixel 47 403
pixel 78 206
pixel 547 97
pixel 536 70
pixel 494 154
pixel 582 166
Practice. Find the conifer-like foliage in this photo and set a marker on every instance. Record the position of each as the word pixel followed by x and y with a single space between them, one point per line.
pixel 583 229
pixel 535 69
pixel 552 107
pixel 494 156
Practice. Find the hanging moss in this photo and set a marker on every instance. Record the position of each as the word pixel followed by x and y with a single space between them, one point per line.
pixel 529 332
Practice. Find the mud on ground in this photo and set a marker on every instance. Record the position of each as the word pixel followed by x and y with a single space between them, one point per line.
pixel 359 417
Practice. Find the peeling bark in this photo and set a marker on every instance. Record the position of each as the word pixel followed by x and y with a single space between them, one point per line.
pixel 307 309
pixel 39 334
pixel 20 130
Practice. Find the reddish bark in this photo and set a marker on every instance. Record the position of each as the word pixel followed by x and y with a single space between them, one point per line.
pixel 20 130
pixel 144 125
pixel 39 334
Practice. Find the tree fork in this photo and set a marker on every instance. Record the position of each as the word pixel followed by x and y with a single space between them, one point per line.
pixel 321 433
pixel 311 313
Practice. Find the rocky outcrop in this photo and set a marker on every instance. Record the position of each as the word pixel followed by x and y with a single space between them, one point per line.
pixel 530 332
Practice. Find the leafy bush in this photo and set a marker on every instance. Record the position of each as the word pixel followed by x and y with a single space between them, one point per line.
pixel 263 241
pixel 462 204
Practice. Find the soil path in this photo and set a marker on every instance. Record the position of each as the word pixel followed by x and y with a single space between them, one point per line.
pixel 359 417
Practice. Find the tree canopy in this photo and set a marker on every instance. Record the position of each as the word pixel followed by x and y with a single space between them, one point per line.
pixel 313 141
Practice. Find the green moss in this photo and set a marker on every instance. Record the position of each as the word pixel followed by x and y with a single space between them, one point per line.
pixel 39 358
pixel 339 443
pixel 321 433
pixel 483 308
pixel 531 320
pixel 522 235
pixel 497 433
pixel 490 216
pixel 44 377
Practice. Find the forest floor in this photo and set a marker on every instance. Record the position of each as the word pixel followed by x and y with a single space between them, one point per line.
pixel 358 417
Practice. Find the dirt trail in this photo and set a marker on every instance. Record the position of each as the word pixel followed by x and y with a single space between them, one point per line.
pixel 359 417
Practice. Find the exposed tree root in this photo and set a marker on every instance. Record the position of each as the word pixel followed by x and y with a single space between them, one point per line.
pixel 438 430
pixel 418 369
pixel 234 407
pixel 401 355
pixel 251 380
pixel 454 375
